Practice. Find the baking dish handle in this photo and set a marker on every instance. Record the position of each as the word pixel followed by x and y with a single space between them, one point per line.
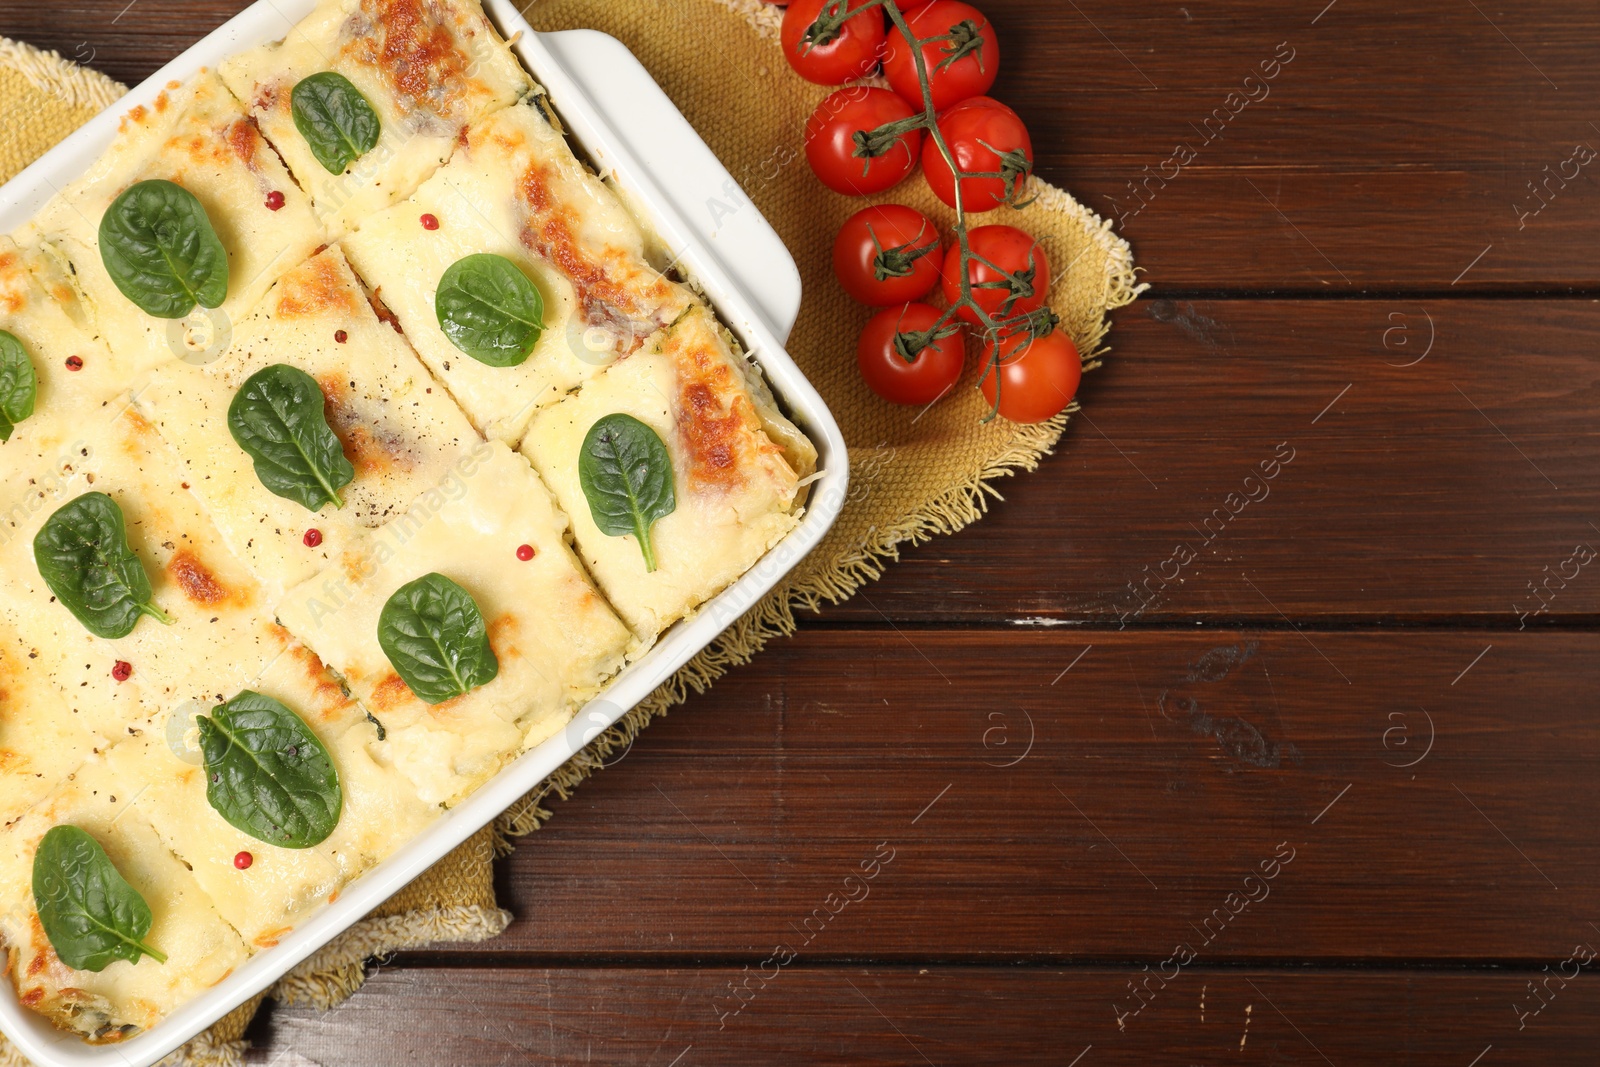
pixel 705 195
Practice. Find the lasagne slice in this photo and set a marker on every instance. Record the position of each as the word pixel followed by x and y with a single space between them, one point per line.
pixel 400 430
pixel 41 739
pixel 515 189
pixel 554 637
pixel 737 467
pixel 427 68
pixel 197 136
pixel 280 886
pixel 41 308
pixel 124 998
pixel 221 636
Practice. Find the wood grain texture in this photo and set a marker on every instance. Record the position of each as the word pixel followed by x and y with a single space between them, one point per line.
pixel 1393 147
pixel 1389 151
pixel 1443 488
pixel 1055 796
pixel 870 1016
pixel 1340 670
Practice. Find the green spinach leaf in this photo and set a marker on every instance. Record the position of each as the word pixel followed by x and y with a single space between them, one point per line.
pixel 90 913
pixel 435 638
pixel 490 310
pixel 335 119
pixel 278 417
pixel 19 385
pixel 626 474
pixel 159 247
pixel 82 554
pixel 268 774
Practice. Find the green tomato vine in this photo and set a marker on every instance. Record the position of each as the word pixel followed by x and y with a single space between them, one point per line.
pixel 962 40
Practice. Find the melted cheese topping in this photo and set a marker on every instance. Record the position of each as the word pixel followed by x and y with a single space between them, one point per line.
pixel 555 638
pixel 198 137
pixel 735 488
pixel 400 430
pixel 427 67
pixel 125 997
pixel 222 635
pixel 516 190
pixel 281 886
pixel 41 739
pixel 40 306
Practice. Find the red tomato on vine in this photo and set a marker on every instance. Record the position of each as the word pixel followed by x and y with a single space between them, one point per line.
pixel 984 137
pixel 1009 272
pixel 825 44
pixel 1036 378
pixel 905 360
pixel 889 254
pixel 959 47
pixel 848 148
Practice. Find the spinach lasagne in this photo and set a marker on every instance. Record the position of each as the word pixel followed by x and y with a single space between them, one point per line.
pixel 354 442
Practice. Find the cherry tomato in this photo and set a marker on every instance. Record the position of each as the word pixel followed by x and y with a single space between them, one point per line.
pixel 929 374
pixel 886 255
pixel 1037 376
pixel 846 150
pixel 962 61
pixel 852 51
pixel 984 137
pixel 1015 254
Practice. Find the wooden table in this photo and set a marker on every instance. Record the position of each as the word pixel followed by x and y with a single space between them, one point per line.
pixel 1258 726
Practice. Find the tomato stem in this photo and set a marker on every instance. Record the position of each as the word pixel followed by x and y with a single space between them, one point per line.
pixel 830 22
pixel 870 144
pixel 899 261
pixel 1015 166
pixel 964 39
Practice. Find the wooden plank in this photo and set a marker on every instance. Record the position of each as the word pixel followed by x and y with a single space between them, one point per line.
pixel 127 41
pixel 1393 149
pixel 1448 487
pixel 1395 146
pixel 865 1016
pixel 1167 772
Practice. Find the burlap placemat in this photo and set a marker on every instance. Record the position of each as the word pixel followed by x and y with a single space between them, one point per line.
pixel 914 474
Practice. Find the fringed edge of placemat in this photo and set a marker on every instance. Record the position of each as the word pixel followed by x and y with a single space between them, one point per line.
pixel 765 17
pixel 52 73
pixel 221 1046
pixel 339 967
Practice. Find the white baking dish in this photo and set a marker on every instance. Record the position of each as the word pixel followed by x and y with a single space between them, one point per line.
pixel 619 117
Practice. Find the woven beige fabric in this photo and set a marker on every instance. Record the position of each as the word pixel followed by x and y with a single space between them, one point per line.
pixel 912 477
pixel 43 98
